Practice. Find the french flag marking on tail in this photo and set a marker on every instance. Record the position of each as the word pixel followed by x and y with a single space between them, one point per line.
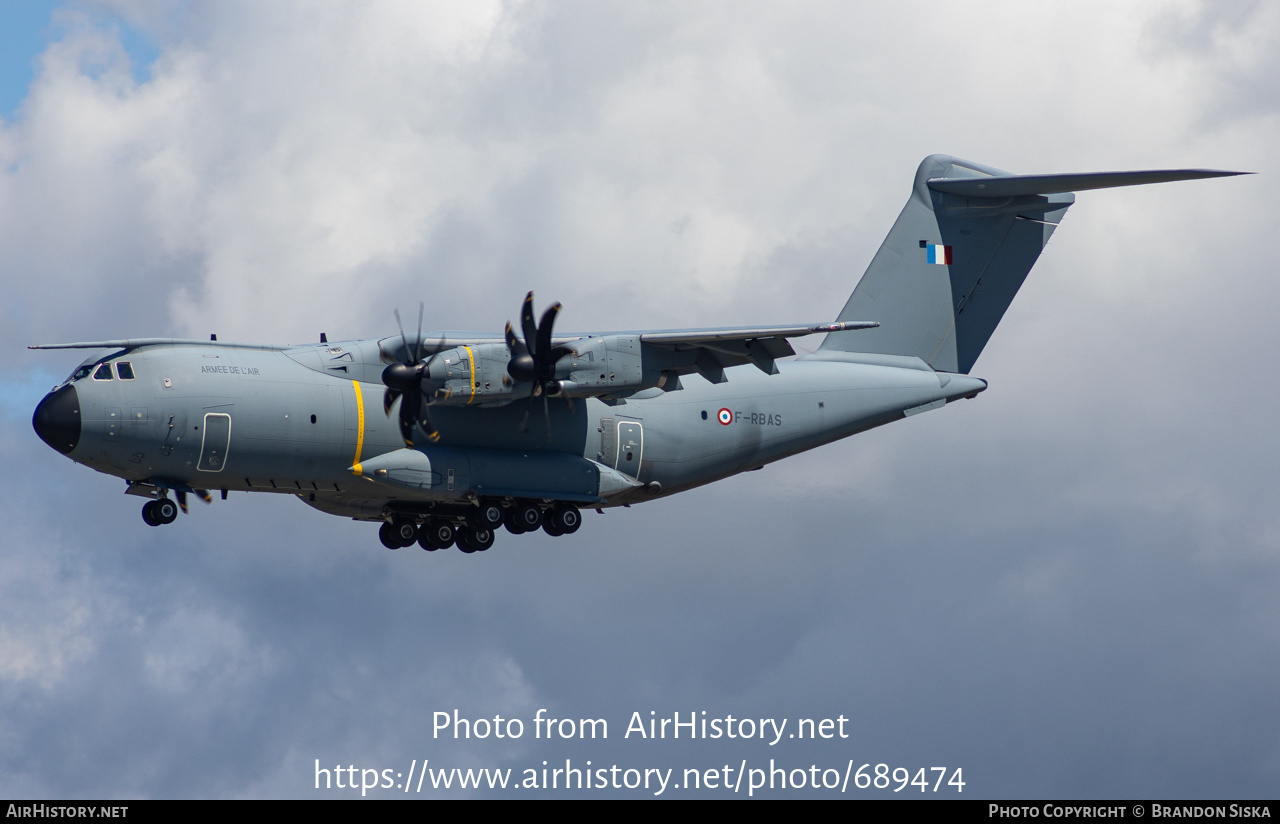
pixel 941 255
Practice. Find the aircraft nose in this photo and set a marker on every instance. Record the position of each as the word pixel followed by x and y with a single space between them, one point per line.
pixel 57 419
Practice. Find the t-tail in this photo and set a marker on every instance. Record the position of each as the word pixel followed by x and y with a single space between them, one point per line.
pixel 958 253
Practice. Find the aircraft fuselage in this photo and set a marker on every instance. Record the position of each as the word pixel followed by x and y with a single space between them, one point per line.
pixel 243 419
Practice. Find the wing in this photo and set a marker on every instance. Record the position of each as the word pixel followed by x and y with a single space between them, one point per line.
pixel 709 351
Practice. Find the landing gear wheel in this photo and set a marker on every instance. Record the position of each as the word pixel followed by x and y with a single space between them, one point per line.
pixel 528 516
pixel 406 532
pixel 149 514
pixel 474 540
pixel 510 522
pixel 549 527
pixel 489 515
pixel 164 510
pixel 566 518
pixel 436 535
pixel 387 534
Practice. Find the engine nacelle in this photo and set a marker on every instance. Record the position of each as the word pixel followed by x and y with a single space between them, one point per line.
pixel 473 375
pixel 598 367
pixel 610 366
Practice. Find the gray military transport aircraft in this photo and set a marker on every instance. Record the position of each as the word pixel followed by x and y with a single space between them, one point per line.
pixel 525 430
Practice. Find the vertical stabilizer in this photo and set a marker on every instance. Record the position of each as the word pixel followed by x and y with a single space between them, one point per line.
pixel 958 253
pixel 949 268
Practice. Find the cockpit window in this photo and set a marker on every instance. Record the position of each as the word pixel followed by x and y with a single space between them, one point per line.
pixel 103 373
pixel 125 370
pixel 82 372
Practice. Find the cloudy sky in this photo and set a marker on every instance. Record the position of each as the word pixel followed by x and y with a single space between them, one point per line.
pixel 1066 588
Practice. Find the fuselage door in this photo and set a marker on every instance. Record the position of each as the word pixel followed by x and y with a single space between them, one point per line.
pixel 630 447
pixel 217 438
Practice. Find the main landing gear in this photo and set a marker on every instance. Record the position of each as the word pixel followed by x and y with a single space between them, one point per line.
pixel 474 530
pixel 435 534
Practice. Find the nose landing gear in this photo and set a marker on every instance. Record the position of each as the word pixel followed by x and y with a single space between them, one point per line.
pixel 159 511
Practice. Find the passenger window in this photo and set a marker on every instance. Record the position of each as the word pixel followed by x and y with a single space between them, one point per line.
pixel 103 373
pixel 125 370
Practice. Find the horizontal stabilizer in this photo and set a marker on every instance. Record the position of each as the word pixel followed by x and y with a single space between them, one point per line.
pixel 1015 185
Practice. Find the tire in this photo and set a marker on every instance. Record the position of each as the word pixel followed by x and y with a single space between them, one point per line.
pixel 549 527
pixel 149 514
pixel 387 534
pixel 406 532
pixel 482 539
pixel 528 516
pixel 436 535
pixel 489 515
pixel 567 519
pixel 509 521
pixel 165 511
pixel 464 540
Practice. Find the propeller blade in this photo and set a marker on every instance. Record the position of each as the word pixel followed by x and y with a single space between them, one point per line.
pixel 432 434
pixel 544 331
pixel 410 407
pixel 388 399
pixel 203 494
pixel 417 342
pixel 516 346
pixel 182 501
pixel 524 420
pixel 527 324
pixel 404 341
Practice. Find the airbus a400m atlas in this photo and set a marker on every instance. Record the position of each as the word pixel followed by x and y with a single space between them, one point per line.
pixel 444 438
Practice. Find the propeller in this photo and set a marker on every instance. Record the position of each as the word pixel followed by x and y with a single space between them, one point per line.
pixel 534 359
pixel 405 381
